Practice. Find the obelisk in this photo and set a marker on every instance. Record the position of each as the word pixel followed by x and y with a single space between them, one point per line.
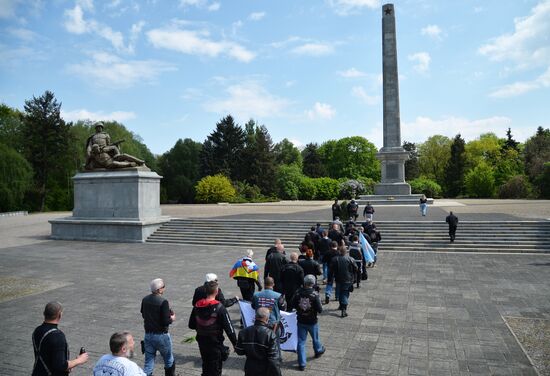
pixel 392 156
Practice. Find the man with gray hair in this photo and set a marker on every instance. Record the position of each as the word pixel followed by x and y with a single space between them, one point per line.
pixel 307 304
pixel 118 363
pixel 259 343
pixel 157 316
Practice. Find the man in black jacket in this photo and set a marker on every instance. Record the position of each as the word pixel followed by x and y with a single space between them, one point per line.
pixel 292 278
pixel 210 319
pixel 259 343
pixel 273 267
pixel 307 304
pixel 452 220
pixel 200 292
pixel 51 351
pixel 157 316
pixel 344 269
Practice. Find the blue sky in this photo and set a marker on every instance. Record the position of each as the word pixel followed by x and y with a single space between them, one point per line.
pixel 308 70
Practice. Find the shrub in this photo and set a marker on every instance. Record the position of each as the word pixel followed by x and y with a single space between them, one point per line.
pixel 217 188
pixel 288 181
pixel 307 189
pixel 480 181
pixel 325 188
pixel 15 179
pixel 368 183
pixel 516 187
pixel 426 186
pixel 351 189
pixel 344 215
pixel 247 192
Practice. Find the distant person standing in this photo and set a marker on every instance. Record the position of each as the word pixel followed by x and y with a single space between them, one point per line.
pixel 353 209
pixel 335 210
pixel 423 205
pixel 452 220
pixel 51 351
pixel 368 212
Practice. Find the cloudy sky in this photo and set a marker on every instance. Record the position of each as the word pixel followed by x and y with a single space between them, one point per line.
pixel 308 70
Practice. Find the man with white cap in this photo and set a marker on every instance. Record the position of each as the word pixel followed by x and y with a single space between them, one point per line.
pixel 200 292
pixel 157 316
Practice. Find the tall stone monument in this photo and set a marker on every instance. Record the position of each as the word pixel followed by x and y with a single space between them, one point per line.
pixel 392 156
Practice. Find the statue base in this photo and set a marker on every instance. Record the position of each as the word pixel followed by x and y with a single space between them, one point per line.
pixel 114 206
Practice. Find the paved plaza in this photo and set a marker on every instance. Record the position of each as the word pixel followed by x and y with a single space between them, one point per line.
pixel 418 314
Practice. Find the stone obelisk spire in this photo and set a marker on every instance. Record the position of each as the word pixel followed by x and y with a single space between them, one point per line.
pixel 392 156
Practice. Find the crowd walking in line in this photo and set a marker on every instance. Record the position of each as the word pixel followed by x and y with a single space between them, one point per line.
pixel 291 283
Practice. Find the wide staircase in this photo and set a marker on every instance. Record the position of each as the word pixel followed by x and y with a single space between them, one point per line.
pixel 472 236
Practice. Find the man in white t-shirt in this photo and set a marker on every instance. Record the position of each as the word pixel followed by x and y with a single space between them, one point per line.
pixel 118 363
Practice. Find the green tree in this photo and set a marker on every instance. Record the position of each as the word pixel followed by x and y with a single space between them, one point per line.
pixel 15 179
pixel 312 165
pixel 11 127
pixel 486 149
pixel 412 167
pixel 426 186
pixel 516 187
pixel 47 140
pixel 288 180
pixel 217 188
pixel 286 153
pixel 454 172
pixel 180 169
pixel 480 181
pixel 510 143
pixel 536 154
pixel 258 160
pixel 350 157
pixel 434 154
pixel 544 181
pixel 222 149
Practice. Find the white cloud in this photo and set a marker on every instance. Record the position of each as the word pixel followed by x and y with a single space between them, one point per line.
pixel 74 21
pixel 360 92
pixel 256 16
pixel 197 43
pixel 321 111
pixel 433 31
pixel 214 7
pixel 522 87
pixel 246 101
pixel 347 7
pixel 201 4
pixel 110 71
pixel 422 60
pixel 352 73
pixel 528 45
pixel 83 114
pixel 25 35
pixel 313 49
pixel 7 8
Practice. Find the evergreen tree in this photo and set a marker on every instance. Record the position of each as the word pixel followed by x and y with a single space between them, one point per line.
pixel 47 141
pixel 536 154
pixel 412 169
pixel 221 151
pixel 312 165
pixel 454 173
pixel 286 153
pixel 510 143
pixel 258 158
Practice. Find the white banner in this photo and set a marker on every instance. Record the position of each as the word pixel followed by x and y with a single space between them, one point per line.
pixel 289 325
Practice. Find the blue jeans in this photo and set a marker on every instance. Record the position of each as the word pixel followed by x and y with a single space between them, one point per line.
pixel 325 270
pixel 303 330
pixel 329 286
pixel 162 343
pixel 423 209
pixel 342 290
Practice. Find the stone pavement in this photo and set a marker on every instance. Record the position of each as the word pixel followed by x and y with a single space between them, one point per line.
pixel 418 314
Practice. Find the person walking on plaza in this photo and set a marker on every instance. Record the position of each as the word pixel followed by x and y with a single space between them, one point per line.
pixel 277 246
pixel 368 212
pixel 357 254
pixel 335 210
pixel 307 304
pixel 423 205
pixel 157 317
pixel 353 209
pixel 200 292
pixel 271 300
pixel 260 345
pixel 273 267
pixel 210 319
pixel 333 252
pixel 324 248
pixel 51 351
pixel 311 266
pixel 118 363
pixel 452 220
pixel 344 269
pixel 292 278
pixel 246 273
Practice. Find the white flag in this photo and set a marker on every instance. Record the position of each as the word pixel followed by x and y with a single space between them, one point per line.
pixel 288 325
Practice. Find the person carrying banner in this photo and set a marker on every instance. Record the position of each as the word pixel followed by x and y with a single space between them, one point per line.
pixel 260 345
pixel 272 300
pixel 307 304
pixel 200 292
pixel 245 272
pixel 343 268
pixel 210 319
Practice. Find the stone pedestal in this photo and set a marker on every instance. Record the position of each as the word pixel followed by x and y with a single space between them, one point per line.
pixel 393 172
pixel 113 205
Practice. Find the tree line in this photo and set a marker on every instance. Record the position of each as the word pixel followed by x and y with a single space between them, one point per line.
pixel 40 153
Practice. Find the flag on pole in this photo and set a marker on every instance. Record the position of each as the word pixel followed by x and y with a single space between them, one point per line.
pixel 288 325
pixel 368 252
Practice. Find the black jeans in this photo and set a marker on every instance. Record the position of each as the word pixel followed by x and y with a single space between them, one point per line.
pixel 247 290
pixel 452 232
pixel 211 355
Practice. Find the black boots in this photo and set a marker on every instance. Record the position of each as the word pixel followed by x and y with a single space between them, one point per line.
pixel 170 371
pixel 344 312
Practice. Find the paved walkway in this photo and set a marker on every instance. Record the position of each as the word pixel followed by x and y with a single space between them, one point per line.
pixel 418 314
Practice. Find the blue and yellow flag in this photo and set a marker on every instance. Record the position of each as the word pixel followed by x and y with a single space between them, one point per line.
pixel 246 268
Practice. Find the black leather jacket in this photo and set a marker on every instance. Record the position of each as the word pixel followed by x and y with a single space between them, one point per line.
pixel 343 269
pixel 259 344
